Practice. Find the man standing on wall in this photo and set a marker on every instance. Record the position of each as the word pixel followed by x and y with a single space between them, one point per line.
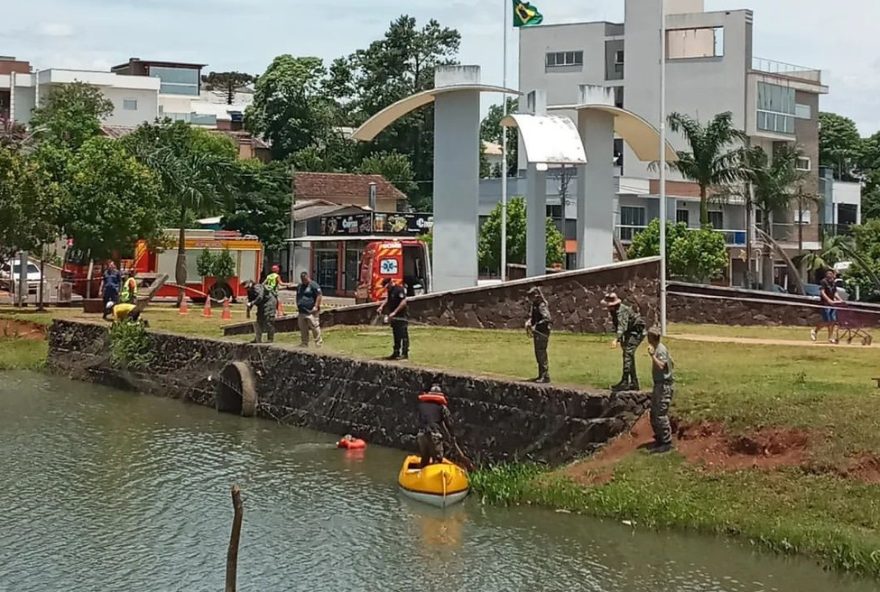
pixel 308 305
pixel 538 328
pixel 259 296
pixel 394 309
pixel 630 329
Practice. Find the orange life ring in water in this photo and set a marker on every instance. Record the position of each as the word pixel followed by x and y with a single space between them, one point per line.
pixel 353 444
pixel 433 397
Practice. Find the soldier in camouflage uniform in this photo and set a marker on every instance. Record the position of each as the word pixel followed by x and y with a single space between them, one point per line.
pixel 538 327
pixel 261 297
pixel 630 329
pixel 662 367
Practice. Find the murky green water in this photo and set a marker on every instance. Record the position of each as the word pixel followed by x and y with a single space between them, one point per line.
pixel 109 491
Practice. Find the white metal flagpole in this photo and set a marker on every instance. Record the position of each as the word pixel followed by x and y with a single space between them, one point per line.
pixel 663 215
pixel 504 155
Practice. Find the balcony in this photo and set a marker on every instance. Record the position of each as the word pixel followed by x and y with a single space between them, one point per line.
pixel 788 70
pixel 732 238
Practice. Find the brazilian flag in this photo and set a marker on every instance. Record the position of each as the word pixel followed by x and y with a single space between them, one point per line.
pixel 526 15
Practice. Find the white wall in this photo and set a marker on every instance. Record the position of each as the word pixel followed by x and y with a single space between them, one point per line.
pixel 147 106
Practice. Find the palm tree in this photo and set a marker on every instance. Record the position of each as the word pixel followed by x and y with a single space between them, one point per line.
pixel 776 184
pixel 715 157
pixel 195 177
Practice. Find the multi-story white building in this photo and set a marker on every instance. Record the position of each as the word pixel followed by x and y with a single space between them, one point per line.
pixel 134 99
pixel 710 70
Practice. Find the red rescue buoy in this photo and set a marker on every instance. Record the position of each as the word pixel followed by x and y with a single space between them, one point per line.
pixel 350 443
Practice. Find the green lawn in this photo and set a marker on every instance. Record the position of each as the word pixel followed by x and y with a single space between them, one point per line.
pixel 22 354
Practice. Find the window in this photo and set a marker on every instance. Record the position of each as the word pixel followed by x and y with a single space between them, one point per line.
pixel 803 111
pixel 776 108
pixel 802 217
pixel 683 216
pixel 618 97
pixel 130 104
pixel 177 81
pixel 716 219
pixel 618 61
pixel 554 212
pixel 632 221
pixel 803 163
pixel 560 59
pixel 707 42
pixel 759 217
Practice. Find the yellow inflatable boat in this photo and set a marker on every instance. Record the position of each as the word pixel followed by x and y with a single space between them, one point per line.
pixel 440 485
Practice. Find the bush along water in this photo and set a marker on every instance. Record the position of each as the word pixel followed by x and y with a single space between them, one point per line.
pixel 130 346
pixel 504 484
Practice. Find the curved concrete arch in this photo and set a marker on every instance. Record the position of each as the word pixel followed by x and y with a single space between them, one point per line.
pixel 548 139
pixel 378 122
pixel 641 136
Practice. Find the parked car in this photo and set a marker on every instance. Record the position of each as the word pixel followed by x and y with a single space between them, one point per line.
pixel 10 274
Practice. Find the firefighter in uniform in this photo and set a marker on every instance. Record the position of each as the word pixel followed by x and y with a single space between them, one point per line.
pixel 434 419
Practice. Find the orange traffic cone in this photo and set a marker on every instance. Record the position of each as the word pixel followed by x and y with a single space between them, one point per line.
pixel 184 307
pixel 227 311
pixel 207 311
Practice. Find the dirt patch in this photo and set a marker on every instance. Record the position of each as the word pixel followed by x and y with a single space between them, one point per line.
pixel 710 445
pixel 864 468
pixel 17 329
pixel 599 469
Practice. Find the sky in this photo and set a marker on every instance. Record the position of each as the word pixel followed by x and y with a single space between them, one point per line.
pixel 245 35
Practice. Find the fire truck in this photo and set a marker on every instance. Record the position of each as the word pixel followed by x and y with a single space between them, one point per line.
pixel 246 251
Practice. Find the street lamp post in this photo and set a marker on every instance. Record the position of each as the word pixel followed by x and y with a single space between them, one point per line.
pixel 663 213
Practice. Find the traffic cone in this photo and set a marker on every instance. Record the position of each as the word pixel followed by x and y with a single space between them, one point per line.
pixel 184 307
pixel 227 311
pixel 207 311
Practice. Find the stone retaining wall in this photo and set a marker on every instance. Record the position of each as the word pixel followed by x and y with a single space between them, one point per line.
pixel 687 303
pixel 574 298
pixel 494 419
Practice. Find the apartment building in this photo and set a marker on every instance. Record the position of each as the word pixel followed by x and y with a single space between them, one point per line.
pixel 710 69
pixel 134 99
pixel 181 97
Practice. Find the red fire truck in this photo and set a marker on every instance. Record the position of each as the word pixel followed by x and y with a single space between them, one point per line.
pixel 246 251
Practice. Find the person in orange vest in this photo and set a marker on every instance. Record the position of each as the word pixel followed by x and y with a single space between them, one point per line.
pixel 433 411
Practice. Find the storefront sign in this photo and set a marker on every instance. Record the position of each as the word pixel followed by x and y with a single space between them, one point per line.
pixel 377 223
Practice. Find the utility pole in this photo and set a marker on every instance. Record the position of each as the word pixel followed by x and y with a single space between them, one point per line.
pixel 663 214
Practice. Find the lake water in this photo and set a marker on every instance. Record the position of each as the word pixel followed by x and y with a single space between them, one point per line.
pixel 110 491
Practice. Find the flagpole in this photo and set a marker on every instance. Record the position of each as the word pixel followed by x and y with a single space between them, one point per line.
pixel 504 154
pixel 663 213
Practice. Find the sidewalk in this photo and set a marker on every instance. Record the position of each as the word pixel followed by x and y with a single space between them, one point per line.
pixel 756 341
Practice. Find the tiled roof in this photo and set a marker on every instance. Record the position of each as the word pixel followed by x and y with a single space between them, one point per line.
pixel 343 187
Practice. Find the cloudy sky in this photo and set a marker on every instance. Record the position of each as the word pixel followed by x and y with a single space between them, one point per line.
pixel 246 34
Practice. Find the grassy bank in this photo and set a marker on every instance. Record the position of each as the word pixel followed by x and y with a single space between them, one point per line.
pixel 22 354
pixel 789 511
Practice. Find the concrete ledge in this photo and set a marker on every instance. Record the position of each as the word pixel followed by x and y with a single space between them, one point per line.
pixel 574 298
pixel 495 419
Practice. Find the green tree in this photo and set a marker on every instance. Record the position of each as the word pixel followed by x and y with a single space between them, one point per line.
pixel 194 168
pixel 29 203
pixel 840 146
pixel 229 82
pixel 71 114
pixel 870 169
pixel 865 254
pixel 490 131
pixel 391 68
pixel 111 200
pixel 261 204
pixel 394 167
pixel 489 248
pixel 290 109
pixel 714 159
pixel 692 255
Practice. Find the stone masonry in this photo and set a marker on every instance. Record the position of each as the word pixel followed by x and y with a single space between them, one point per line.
pixel 494 419
pixel 575 299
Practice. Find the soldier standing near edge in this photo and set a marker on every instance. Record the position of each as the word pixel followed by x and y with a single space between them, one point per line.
pixel 662 367
pixel 538 328
pixel 630 329
pixel 261 297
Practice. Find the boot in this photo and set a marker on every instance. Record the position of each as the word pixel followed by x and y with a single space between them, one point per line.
pixel 619 387
pixel 543 379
